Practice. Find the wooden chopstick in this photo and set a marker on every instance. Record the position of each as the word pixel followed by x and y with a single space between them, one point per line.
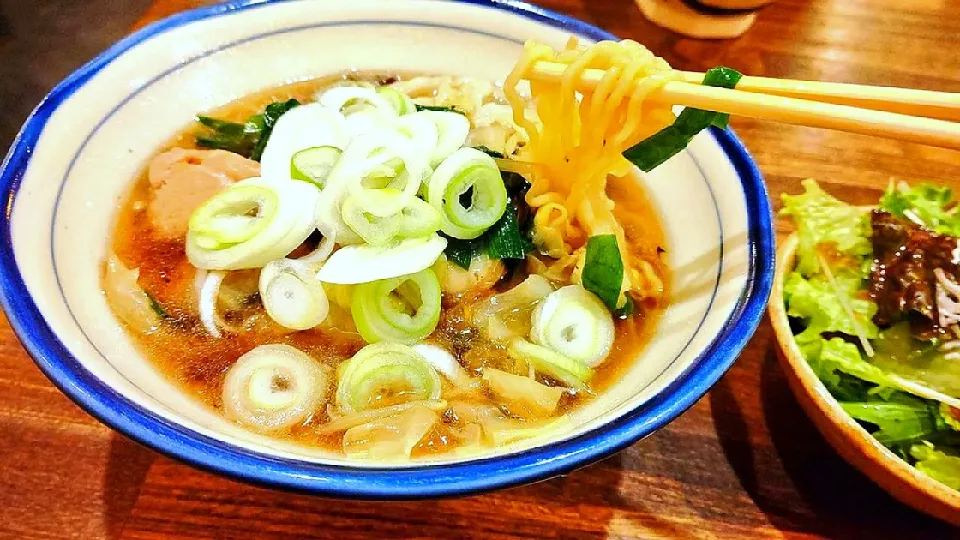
pixel 928 103
pixel 791 110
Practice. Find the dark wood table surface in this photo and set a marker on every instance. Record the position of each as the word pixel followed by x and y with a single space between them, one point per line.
pixel 743 462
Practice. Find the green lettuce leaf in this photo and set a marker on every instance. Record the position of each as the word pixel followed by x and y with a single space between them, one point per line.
pixel 943 467
pixel 821 220
pixel 896 422
pixel 814 301
pixel 842 369
pixel 930 204
pixel 950 421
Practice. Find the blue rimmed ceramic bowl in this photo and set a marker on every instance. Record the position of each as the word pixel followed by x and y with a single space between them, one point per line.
pixel 81 148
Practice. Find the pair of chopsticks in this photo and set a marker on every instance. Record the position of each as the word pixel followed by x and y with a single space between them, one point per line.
pixel 921 116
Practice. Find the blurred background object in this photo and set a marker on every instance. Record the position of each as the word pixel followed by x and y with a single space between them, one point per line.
pixel 41 42
pixel 707 19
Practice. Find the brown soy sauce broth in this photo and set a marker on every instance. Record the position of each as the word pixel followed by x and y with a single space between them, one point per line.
pixel 197 362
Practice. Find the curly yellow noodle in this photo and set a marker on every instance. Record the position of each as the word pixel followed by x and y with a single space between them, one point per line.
pixel 577 141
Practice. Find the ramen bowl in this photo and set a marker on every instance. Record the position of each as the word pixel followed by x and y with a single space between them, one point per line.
pixel 80 150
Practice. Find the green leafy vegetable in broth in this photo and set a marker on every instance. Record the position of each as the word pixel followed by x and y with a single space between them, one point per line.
pixel 508 238
pixel 603 269
pixel 651 152
pixel 248 138
pixel 441 108
pixel 230 136
pixel 492 153
pixel 272 113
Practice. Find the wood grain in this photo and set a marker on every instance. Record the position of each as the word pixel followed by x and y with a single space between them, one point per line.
pixel 743 462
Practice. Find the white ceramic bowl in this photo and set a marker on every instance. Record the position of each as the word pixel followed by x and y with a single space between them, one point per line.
pixel 79 151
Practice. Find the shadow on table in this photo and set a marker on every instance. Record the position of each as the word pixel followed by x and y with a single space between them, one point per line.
pixel 171 500
pixel 126 470
pixel 828 496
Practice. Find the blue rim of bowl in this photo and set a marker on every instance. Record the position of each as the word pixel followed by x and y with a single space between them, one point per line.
pixel 415 482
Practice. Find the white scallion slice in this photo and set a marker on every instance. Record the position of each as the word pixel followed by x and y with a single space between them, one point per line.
pixel 403 309
pixel 384 374
pixel 314 164
pixel 397 164
pixel 354 264
pixel 371 228
pixel 250 224
pixel 575 323
pixel 274 387
pixel 401 102
pixel 453 129
pixel 421 130
pixel 549 362
pixel 209 293
pixel 363 108
pixel 418 219
pixel 444 362
pixel 307 126
pixel 290 291
pixel 292 295
pixel 376 161
pixel 467 188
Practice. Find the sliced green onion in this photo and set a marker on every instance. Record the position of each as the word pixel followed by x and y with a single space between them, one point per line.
pixel 251 223
pixel 421 130
pixel 304 127
pixel 363 108
pixel 292 295
pixel 354 264
pixel 471 174
pixel 384 374
pixel 400 101
pixel 416 219
pixel 453 129
pixel 549 362
pixel 402 309
pixel 419 219
pixel 290 291
pixel 314 164
pixel 207 305
pixel 361 173
pixel 574 322
pixel 407 170
pixel 370 227
pixel 445 363
pixel 274 387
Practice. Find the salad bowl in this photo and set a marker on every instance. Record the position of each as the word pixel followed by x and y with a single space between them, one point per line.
pixel 854 443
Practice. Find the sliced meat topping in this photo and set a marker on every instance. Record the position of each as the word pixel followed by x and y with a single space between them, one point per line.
pixel 182 179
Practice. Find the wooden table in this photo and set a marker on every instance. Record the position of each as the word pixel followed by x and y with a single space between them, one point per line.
pixel 743 462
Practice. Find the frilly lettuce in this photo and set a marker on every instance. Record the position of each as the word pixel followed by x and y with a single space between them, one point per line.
pixel 936 464
pixel 815 302
pixel 822 220
pixel 931 205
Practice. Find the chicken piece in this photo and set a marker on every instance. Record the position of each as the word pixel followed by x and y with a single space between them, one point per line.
pixel 182 179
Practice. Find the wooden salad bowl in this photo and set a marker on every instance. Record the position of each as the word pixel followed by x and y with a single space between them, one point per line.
pixel 850 440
